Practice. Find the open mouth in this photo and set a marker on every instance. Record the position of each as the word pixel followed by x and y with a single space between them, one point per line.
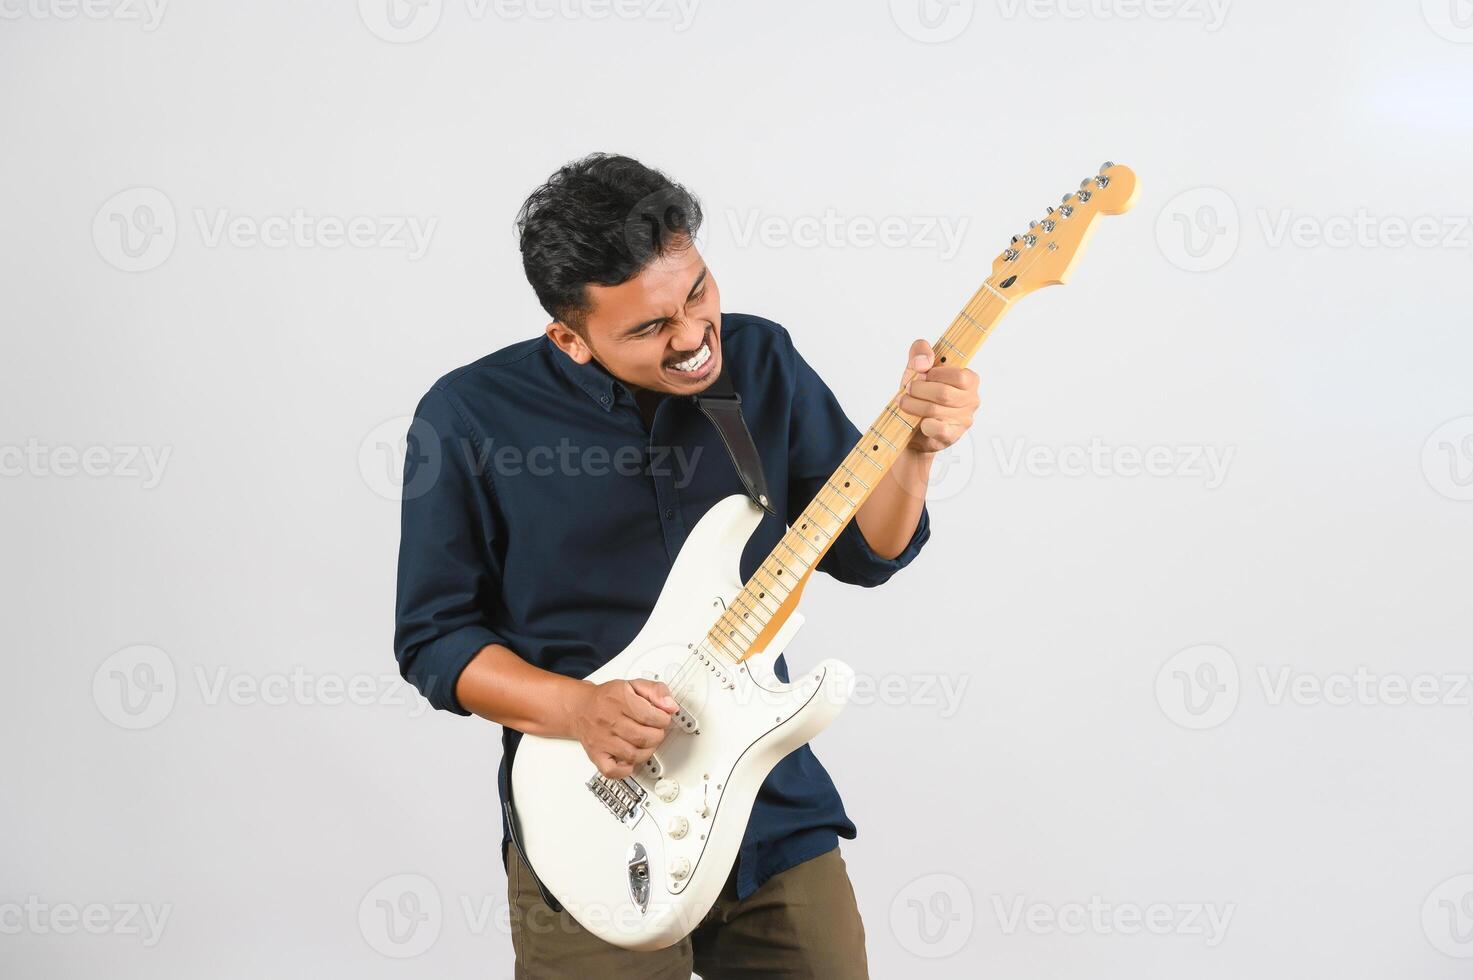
pixel 698 365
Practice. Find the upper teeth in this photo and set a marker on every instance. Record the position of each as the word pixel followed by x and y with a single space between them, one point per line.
pixel 697 359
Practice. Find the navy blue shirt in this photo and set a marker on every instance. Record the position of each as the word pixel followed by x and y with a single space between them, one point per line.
pixel 540 513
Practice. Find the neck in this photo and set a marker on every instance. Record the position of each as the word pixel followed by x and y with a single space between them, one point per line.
pixel 767 599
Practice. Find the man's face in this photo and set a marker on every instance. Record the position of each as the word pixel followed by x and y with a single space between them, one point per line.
pixel 660 330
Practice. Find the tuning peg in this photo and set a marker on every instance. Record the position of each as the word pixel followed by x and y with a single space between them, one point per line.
pixel 1066 199
pixel 1050 209
pixel 1106 166
pixel 1014 240
pixel 1033 224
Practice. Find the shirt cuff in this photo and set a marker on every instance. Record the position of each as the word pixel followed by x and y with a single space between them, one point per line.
pixel 852 560
pixel 437 666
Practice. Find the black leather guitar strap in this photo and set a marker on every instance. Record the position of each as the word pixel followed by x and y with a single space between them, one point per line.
pixel 723 406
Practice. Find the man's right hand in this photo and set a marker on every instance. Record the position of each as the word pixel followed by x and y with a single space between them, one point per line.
pixel 621 723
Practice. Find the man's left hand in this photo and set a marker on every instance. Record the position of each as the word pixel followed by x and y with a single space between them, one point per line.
pixel 944 397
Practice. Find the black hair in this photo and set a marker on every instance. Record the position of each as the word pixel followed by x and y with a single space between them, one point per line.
pixel 600 220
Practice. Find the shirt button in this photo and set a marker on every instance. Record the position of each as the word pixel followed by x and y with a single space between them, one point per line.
pixel 604 399
pixel 669 513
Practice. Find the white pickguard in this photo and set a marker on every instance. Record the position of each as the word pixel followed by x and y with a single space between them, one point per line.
pixel 747 722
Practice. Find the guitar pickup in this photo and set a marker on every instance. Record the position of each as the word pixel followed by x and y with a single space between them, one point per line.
pixel 686 721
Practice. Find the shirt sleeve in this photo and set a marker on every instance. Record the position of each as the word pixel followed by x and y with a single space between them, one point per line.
pixel 447 532
pixel 821 436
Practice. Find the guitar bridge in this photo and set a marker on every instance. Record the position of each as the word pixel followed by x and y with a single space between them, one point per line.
pixel 624 798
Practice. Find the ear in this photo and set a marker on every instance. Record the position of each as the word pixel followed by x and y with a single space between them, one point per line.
pixel 568 341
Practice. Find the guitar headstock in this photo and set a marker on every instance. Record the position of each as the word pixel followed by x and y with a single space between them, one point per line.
pixel 1045 253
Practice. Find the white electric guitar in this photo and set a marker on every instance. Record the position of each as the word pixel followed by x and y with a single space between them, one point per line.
pixel 640 861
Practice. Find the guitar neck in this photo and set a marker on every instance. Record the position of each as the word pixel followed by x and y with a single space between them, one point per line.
pixel 765 597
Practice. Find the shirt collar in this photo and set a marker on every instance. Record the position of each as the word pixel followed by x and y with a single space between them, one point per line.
pixel 598 383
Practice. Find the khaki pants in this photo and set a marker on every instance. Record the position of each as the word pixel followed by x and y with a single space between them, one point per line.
pixel 802 923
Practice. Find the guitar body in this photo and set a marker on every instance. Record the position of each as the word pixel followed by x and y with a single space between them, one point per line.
pixel 642 875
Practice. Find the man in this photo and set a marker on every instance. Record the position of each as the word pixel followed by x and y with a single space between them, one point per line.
pixel 549 487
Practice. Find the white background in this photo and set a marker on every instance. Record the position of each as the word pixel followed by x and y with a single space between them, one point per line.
pixel 1259 303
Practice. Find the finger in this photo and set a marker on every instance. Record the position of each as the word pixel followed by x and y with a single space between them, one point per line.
pixel 611 767
pixel 932 390
pixel 926 409
pixel 944 431
pixel 656 693
pixel 957 377
pixel 619 749
pixel 919 360
pixel 639 710
pixel 639 736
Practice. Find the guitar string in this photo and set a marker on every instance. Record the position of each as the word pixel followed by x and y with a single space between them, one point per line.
pixel 692 667
pixel 977 305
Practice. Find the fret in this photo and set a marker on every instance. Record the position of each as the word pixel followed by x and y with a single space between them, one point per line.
pixel 782 565
pixel 817 526
pixel 760 610
pixel 967 317
pixel 801 559
pixel 738 627
pixel 830 485
pixel 716 639
pixel 880 436
pixel 842 521
pixel 774 585
pixel 859 451
pixel 855 475
pixel 899 417
pixel 784 543
pixel 743 622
